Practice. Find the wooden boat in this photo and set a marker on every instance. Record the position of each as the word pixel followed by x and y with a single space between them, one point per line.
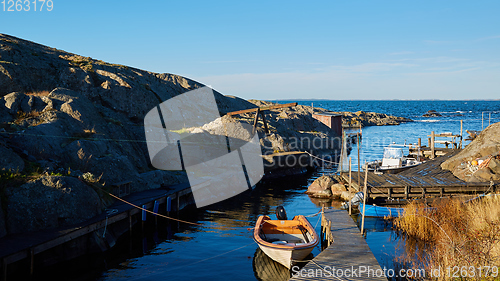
pixel 380 211
pixel 285 241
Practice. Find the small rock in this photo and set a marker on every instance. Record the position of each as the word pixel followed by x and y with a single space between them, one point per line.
pixel 337 190
pixel 432 113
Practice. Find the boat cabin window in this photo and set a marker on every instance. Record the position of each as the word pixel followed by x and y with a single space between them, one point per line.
pixel 393 153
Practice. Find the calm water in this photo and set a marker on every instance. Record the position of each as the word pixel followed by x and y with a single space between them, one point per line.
pixel 223 248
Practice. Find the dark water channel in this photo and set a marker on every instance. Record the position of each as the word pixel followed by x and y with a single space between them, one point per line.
pixel 221 248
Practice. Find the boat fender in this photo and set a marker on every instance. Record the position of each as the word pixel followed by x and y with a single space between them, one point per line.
pixel 281 213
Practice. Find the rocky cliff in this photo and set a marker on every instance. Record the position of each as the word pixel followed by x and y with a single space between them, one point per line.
pixel 64 116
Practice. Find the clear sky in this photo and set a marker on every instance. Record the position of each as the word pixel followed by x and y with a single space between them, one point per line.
pixel 349 49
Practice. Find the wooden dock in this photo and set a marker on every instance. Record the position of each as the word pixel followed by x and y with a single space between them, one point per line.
pixel 424 180
pixel 14 248
pixel 347 258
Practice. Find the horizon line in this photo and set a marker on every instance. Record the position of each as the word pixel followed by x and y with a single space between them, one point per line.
pixel 382 100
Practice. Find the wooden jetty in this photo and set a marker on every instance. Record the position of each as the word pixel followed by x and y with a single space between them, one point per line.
pixel 431 151
pixel 259 111
pixel 424 180
pixel 14 248
pixel 348 257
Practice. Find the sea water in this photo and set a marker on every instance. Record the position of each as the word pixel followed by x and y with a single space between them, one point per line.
pixel 222 248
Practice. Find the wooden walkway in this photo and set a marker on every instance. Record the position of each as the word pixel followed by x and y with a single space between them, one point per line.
pixel 26 245
pixel 348 258
pixel 424 180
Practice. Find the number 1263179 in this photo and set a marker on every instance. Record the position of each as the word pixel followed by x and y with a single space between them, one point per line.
pixel 27 5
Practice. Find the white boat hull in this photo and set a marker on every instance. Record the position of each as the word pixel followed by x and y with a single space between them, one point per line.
pixel 286 257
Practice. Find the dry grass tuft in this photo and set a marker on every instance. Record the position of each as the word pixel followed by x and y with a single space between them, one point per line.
pixel 455 234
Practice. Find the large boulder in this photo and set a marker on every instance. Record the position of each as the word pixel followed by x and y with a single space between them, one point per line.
pixel 321 187
pixel 485 146
pixel 48 202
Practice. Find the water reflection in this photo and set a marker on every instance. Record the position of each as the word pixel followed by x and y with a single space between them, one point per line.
pixel 266 269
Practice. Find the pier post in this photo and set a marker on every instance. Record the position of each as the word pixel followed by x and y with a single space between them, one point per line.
pixel 255 121
pixel 350 178
pixel 178 202
pixel 155 211
pixel 329 231
pixel 169 205
pixel 130 222
pixel 433 136
pixel 143 216
pixel 364 203
pixel 418 148
pixel 342 152
pixel 461 132
pixel 321 233
pixel 359 163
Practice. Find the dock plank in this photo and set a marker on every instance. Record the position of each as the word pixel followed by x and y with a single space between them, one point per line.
pixel 349 251
pixel 428 176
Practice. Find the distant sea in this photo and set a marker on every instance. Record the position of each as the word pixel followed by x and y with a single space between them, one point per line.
pixel 476 115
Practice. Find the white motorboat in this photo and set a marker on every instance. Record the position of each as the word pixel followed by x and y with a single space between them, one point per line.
pixel 393 161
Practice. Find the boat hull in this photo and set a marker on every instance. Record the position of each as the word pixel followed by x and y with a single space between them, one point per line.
pixel 380 211
pixel 286 257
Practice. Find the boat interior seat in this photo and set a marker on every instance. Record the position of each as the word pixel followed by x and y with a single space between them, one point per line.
pixel 295 242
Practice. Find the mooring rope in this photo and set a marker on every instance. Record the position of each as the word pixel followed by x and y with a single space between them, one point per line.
pixel 151 212
pixel 317 157
pixel 313 215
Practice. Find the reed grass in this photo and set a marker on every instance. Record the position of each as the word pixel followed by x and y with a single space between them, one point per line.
pixel 455 234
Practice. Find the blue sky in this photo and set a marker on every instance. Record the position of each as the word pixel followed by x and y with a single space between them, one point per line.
pixel 288 49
